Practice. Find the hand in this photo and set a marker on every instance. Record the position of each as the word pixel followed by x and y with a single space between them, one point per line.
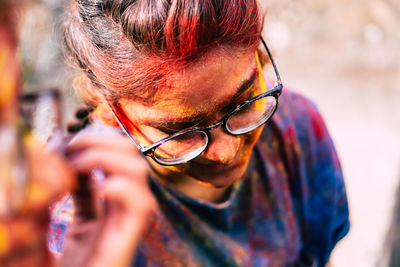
pixel 107 234
pixel 23 235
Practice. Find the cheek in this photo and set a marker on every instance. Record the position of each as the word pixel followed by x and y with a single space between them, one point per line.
pixel 249 140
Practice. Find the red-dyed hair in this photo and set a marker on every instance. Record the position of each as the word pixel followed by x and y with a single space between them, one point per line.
pixel 126 47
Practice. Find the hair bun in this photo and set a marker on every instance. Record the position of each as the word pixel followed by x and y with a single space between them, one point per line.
pixel 89 9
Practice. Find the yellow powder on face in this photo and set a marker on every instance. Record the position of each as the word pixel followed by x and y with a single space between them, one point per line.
pixel 261 79
pixel 175 108
pixel 178 106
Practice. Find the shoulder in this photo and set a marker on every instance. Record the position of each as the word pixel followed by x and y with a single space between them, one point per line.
pixel 315 175
pixel 302 128
pixel 307 145
pixel 298 112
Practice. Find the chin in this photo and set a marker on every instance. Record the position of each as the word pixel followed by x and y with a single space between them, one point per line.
pixel 219 178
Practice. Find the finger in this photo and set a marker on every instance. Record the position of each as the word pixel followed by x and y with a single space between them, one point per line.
pixel 87 205
pixel 131 196
pixel 111 141
pixel 111 162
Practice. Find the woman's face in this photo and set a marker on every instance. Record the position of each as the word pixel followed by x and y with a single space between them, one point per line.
pixel 199 96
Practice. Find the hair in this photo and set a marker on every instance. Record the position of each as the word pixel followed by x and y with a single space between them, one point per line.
pixel 124 48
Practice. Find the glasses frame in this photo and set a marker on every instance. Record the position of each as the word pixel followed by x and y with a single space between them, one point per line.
pixel 149 150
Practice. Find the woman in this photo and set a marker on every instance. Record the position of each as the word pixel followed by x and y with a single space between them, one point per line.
pixel 234 185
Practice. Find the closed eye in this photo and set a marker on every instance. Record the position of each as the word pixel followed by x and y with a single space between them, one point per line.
pixel 172 128
pixel 246 95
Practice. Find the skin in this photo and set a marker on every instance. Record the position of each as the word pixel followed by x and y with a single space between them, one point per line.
pixel 201 91
pixel 126 202
pixel 119 221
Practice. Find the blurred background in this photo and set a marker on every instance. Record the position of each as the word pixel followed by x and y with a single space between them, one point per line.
pixel 343 54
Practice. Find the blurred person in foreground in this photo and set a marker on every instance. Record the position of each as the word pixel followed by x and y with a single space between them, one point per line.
pixel 24 219
pixel 238 180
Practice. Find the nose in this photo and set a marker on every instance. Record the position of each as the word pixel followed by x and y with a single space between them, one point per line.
pixel 222 147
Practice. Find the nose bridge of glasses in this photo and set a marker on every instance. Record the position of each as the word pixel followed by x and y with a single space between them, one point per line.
pixel 215 125
pixel 222 146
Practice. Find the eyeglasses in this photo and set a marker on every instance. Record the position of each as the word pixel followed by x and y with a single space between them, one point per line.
pixel 189 143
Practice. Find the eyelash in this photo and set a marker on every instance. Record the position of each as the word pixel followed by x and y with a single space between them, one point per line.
pixel 169 131
pixel 241 100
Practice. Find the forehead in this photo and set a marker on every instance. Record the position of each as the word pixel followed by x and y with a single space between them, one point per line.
pixel 197 89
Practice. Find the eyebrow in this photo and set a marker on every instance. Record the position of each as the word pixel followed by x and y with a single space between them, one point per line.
pixel 184 123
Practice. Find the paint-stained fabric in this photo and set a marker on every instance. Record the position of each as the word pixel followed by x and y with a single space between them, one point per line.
pixel 290 208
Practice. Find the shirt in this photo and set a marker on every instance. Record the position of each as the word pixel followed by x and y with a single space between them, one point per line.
pixel 289 209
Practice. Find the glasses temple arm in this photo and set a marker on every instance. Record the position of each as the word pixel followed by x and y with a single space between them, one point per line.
pixel 272 61
pixel 137 143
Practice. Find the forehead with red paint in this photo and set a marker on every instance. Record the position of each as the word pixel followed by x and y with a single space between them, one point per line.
pixel 198 90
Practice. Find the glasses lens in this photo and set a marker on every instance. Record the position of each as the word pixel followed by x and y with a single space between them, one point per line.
pixel 251 116
pixel 181 148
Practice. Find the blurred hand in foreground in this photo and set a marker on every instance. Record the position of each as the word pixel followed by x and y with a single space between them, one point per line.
pixel 111 215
